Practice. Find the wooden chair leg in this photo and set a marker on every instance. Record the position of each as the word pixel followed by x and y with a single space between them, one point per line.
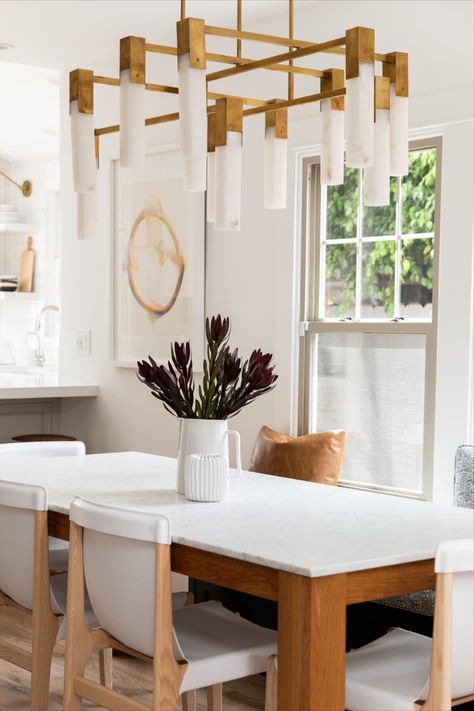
pixel 214 697
pixel 105 667
pixel 271 685
pixel 78 644
pixel 45 624
pixel 189 599
pixel 188 700
pixel 44 639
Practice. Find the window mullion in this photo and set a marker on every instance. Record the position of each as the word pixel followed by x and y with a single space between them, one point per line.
pixel 398 251
pixel 322 253
pixel 358 289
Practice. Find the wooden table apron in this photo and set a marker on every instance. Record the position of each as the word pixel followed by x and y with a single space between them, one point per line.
pixel 311 613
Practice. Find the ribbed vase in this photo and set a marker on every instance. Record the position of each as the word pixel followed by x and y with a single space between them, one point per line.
pixel 206 477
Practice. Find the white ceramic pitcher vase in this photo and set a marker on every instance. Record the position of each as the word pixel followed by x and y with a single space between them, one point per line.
pixel 204 437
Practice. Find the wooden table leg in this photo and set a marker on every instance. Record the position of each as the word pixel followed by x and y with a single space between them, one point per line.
pixel 311 643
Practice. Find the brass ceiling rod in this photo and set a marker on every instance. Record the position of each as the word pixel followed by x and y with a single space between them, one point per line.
pixel 239 27
pixel 26 186
pixel 291 78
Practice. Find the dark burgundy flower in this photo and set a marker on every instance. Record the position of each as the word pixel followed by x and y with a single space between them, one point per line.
pixel 228 384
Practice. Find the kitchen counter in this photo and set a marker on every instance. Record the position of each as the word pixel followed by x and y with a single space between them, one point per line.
pixel 40 392
pixel 27 383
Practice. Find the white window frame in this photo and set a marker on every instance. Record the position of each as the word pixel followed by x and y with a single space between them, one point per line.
pixel 312 308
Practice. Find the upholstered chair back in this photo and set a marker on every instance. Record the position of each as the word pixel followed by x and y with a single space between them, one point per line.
pixel 464 476
pixel 18 505
pixel 19 450
pixel 119 549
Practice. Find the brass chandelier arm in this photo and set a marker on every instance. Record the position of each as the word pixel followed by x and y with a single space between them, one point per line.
pixel 162 88
pixel 224 58
pixel 308 99
pixel 231 59
pixel 228 59
pixel 160 48
pixel 110 81
pixel 262 63
pixel 266 106
pixel 275 39
pixel 245 99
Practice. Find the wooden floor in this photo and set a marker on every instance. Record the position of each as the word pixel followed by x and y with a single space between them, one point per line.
pixel 131 676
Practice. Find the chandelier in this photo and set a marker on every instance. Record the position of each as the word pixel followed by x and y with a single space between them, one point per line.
pixel 365 110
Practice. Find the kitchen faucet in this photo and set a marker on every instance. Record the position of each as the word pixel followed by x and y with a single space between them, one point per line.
pixel 39 353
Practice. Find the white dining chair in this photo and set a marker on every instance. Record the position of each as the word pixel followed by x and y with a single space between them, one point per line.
pixel 14 451
pixel 123 556
pixel 403 670
pixel 25 583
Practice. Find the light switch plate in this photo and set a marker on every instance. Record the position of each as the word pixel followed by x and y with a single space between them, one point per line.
pixel 83 342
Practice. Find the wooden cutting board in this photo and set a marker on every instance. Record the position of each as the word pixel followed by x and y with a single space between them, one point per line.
pixel 27 267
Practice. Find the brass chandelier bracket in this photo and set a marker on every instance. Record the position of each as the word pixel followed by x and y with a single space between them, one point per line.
pixel 279 119
pixel 81 89
pixel 395 68
pixel 382 92
pixel 360 47
pixel 132 57
pixel 191 39
pixel 357 45
pixel 211 132
pixel 229 117
pixel 333 79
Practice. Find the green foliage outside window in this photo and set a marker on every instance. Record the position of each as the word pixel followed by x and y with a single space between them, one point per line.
pixel 378 258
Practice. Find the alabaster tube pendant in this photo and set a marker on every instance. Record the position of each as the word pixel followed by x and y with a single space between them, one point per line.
pixel 83 149
pixel 377 177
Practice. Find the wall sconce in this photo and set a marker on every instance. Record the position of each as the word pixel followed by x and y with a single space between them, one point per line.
pixel 26 186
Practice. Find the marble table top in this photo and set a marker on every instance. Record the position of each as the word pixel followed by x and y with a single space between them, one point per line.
pixel 300 527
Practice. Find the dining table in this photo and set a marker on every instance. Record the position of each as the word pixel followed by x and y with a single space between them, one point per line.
pixel 312 548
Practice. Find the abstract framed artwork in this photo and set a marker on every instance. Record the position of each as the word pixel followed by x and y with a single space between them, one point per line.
pixel 158 260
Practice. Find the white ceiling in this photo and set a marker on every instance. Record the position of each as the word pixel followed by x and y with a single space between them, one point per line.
pixel 65 34
pixel 29 112
pixel 70 33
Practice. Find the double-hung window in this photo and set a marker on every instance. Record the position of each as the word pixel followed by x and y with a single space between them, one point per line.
pixel 369 322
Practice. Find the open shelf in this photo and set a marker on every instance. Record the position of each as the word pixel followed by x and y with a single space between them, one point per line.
pixel 19 296
pixel 16 227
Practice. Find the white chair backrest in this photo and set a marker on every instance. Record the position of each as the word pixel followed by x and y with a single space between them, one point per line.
pixel 119 569
pixel 457 557
pixel 18 504
pixel 17 450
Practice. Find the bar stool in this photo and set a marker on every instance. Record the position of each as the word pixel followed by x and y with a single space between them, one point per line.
pixel 44 438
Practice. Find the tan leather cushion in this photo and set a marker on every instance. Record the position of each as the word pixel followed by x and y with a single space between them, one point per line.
pixel 313 457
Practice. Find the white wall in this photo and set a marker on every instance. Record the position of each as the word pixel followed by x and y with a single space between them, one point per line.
pixel 18 311
pixel 251 274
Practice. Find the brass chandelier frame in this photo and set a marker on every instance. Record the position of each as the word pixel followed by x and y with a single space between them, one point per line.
pixel 357 45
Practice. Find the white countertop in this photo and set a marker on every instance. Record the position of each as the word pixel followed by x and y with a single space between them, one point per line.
pixel 305 528
pixel 23 382
pixel 40 392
